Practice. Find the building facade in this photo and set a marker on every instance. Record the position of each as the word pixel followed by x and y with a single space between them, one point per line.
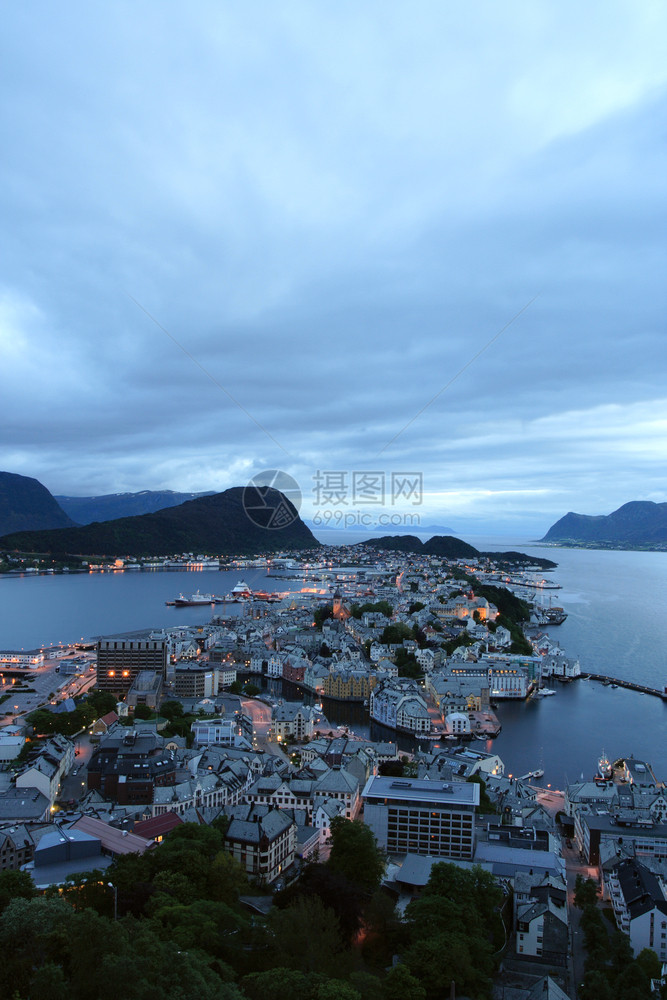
pixel 422 817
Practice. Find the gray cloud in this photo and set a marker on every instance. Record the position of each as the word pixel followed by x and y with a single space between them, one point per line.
pixel 333 210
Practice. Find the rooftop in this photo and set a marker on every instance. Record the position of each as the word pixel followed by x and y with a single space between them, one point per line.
pixel 460 793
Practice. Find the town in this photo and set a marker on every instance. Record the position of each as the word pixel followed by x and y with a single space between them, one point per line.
pixel 113 748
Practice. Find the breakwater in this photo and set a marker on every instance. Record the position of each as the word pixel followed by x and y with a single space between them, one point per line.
pixel 630 685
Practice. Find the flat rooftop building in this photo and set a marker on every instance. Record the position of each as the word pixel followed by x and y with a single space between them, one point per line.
pixel 422 817
pixel 121 658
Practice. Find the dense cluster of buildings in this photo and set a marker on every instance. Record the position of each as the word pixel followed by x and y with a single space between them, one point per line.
pixel 454 804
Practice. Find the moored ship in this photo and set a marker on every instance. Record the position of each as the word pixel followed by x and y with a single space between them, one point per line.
pixel 604 767
pixel 193 600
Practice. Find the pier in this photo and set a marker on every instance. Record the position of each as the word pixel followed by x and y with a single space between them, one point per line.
pixel 630 685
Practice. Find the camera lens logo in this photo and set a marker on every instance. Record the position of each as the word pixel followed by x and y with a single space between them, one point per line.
pixel 265 506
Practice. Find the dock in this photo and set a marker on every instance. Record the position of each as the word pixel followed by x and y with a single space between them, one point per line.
pixel 630 685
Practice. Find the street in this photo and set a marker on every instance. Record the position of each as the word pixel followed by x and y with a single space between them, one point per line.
pixel 553 801
pixel 260 713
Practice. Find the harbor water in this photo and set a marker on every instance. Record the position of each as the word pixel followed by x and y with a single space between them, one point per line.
pixel 617 625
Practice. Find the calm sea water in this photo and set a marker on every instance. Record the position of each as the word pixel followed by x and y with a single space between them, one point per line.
pixel 617 624
pixel 43 610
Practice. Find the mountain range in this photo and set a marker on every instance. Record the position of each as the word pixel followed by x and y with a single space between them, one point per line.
pixel 85 510
pixel 218 524
pixel 637 523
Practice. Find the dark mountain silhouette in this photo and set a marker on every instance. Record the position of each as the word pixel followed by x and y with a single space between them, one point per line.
pixel 449 547
pixel 639 522
pixel 85 510
pixel 26 505
pixel 215 524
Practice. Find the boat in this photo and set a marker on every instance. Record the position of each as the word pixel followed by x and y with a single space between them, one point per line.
pixel 546 692
pixel 537 773
pixel 193 600
pixel 604 767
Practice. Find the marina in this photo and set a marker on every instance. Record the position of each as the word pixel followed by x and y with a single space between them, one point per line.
pixel 48 609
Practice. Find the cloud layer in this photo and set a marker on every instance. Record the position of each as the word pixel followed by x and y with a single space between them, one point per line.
pixel 333 212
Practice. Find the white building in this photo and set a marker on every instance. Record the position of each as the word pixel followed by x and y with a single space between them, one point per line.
pixel 398 704
pixel 457 724
pixel 12 740
pixel 640 906
pixel 422 817
pixel 292 719
pixel 47 771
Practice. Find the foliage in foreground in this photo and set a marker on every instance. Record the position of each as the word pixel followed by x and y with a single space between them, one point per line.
pixel 182 932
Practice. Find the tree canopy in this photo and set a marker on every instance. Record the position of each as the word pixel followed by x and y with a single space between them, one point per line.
pixel 355 853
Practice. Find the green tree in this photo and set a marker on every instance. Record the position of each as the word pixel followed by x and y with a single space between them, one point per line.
pixel 102 702
pixel 15 885
pixel 632 984
pixel 650 963
pixel 171 710
pixel 400 984
pixel 396 633
pixel 596 987
pixel 392 768
pixel 355 853
pixel 306 936
pixel 585 892
pixel 485 803
pixel 33 933
pixel 49 983
pixel 336 990
pixel 458 956
pixel 143 712
pixel 278 984
pixel 407 664
pixel 321 614
pixel 344 898
pixel 368 985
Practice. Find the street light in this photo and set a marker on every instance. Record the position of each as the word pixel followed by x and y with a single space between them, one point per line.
pixel 115 899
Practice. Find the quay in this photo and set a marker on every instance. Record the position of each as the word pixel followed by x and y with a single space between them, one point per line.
pixel 630 685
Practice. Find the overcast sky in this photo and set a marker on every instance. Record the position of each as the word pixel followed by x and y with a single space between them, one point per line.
pixel 332 209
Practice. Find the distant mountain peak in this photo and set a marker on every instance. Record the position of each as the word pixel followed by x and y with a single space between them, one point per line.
pixel 27 505
pixel 636 523
pixel 110 506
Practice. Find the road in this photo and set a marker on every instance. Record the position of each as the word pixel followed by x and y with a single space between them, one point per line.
pixel 553 801
pixel 46 686
pixel 75 784
pixel 260 713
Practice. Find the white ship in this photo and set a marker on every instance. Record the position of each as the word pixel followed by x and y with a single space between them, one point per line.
pixel 604 767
